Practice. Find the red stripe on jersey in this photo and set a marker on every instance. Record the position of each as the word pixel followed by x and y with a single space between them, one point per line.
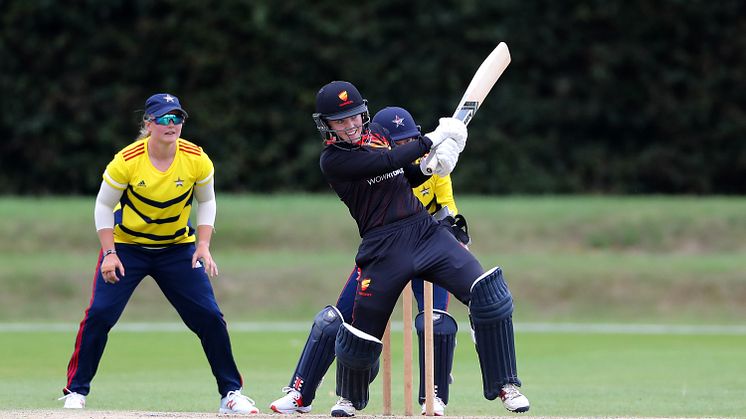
pixel 196 153
pixel 127 153
pixel 189 147
pixel 134 155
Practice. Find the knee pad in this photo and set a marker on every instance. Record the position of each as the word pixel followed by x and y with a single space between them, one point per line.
pixel 357 354
pixel 490 298
pixel 490 311
pixel 318 353
pixel 444 346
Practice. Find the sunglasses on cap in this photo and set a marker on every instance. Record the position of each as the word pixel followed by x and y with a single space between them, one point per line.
pixel 168 118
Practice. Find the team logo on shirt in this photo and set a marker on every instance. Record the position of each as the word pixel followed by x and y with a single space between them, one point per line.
pixel 141 184
pixel 385 176
pixel 179 182
pixel 425 191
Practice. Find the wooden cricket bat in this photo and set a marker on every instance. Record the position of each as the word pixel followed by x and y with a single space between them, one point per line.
pixel 481 84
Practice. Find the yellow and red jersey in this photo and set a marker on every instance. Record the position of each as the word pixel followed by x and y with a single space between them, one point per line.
pixel 155 206
pixel 436 193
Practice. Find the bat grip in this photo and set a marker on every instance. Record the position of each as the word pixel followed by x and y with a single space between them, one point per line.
pixel 430 162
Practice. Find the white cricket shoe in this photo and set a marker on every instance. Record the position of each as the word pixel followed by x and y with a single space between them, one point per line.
pixel 235 402
pixel 343 409
pixel 291 402
pixel 512 399
pixel 73 400
pixel 439 408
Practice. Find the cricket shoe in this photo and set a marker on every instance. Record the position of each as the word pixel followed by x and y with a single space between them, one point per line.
pixel 343 409
pixel 73 400
pixel 235 402
pixel 512 399
pixel 439 408
pixel 291 402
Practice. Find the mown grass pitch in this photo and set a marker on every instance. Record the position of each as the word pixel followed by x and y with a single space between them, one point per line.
pixel 564 373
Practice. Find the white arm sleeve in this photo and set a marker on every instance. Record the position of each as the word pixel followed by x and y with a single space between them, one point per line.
pixel 106 200
pixel 207 207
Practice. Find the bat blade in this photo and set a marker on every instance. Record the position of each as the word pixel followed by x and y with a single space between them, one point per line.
pixel 481 83
pixel 486 76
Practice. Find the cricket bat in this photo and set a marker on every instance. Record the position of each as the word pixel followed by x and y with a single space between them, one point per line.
pixel 481 84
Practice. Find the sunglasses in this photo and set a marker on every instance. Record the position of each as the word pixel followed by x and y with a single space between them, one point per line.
pixel 168 118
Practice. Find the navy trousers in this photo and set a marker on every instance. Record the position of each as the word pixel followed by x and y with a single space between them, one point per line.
pixel 346 299
pixel 391 255
pixel 187 289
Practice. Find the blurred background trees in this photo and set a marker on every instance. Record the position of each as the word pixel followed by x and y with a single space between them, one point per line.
pixel 609 96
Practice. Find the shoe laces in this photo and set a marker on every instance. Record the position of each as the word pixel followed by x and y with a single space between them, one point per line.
pixel 288 390
pixel 344 402
pixel 237 394
pixel 510 391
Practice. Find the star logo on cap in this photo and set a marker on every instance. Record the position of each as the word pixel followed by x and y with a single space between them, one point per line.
pixel 169 98
pixel 399 121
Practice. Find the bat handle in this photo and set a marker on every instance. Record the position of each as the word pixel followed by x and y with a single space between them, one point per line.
pixel 430 162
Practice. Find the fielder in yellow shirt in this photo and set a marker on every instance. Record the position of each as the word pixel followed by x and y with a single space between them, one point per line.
pixel 142 219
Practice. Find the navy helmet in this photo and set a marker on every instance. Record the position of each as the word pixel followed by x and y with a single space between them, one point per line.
pixel 339 100
pixel 399 123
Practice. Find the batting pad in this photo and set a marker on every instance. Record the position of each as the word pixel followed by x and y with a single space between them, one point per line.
pixel 318 353
pixel 357 354
pixel 490 311
pixel 444 345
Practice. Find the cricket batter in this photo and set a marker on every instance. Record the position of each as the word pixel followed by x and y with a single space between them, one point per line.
pixel 400 241
pixel 436 194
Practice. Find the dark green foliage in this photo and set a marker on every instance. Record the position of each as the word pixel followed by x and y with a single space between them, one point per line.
pixel 601 96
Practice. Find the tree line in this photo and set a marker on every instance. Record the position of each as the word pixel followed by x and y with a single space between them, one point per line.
pixel 612 96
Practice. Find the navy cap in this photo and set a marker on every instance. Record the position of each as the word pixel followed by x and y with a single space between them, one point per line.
pixel 162 103
pixel 338 100
pixel 398 122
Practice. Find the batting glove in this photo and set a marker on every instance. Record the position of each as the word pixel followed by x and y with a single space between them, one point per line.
pixel 449 128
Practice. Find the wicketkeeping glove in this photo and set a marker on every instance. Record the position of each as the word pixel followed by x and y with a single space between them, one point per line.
pixel 458 227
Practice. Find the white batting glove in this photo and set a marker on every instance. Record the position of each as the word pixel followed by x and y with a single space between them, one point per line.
pixel 449 128
pixel 447 154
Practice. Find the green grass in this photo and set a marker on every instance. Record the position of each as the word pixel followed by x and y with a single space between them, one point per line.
pixel 630 259
pixel 662 260
pixel 564 374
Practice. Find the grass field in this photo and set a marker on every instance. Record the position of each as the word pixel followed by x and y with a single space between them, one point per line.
pixel 586 260
pixel 565 374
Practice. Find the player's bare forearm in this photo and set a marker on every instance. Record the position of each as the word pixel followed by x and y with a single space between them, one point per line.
pixel 204 235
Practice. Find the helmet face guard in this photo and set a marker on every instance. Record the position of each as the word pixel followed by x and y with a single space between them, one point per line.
pixel 331 136
pixel 339 100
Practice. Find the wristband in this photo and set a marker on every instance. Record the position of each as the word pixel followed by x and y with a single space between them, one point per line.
pixel 109 252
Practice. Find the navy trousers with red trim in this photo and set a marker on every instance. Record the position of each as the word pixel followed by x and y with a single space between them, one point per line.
pixel 187 289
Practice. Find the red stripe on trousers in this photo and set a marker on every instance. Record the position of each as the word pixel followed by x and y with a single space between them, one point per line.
pixel 72 367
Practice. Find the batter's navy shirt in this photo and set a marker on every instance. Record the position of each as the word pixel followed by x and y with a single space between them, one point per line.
pixel 375 180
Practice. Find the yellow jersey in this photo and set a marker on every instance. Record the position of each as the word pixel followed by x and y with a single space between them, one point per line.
pixel 436 193
pixel 155 206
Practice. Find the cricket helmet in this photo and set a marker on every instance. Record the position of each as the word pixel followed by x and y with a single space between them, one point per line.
pixel 399 123
pixel 339 100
